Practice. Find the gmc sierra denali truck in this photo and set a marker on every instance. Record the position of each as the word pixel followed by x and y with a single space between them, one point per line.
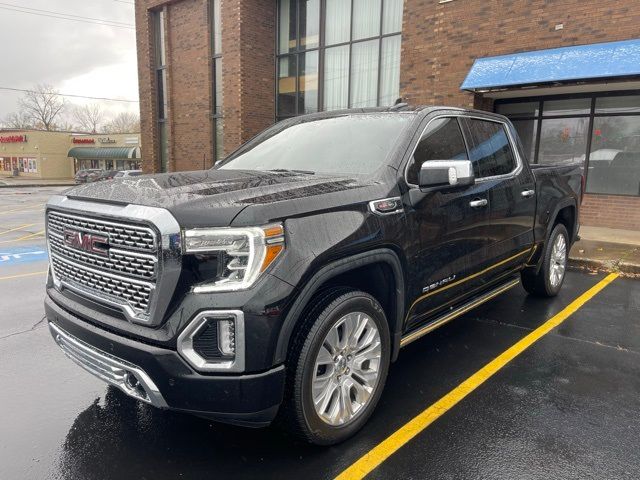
pixel 281 283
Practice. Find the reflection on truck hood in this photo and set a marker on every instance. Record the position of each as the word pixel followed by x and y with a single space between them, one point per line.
pixel 214 197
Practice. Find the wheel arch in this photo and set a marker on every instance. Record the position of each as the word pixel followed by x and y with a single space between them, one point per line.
pixel 332 274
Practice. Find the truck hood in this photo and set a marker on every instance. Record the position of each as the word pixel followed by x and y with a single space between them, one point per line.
pixel 215 197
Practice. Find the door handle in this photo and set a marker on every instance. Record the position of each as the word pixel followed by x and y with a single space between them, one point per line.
pixel 478 203
pixel 528 193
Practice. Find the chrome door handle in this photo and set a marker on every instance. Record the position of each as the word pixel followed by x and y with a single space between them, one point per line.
pixel 528 193
pixel 478 203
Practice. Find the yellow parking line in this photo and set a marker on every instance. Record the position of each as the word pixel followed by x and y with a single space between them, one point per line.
pixel 26 237
pixel 20 210
pixel 32 274
pixel 372 459
pixel 21 227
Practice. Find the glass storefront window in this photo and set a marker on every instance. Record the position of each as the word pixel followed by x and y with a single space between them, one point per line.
pixel 572 106
pixel 336 77
pixel 519 109
pixel 390 70
pixel 614 162
pixel 287 75
pixel 366 19
pixel 392 16
pixel 357 64
pixel 308 96
pixel 338 21
pixel 309 23
pixel 563 140
pixel 618 104
pixel 364 74
pixel 527 131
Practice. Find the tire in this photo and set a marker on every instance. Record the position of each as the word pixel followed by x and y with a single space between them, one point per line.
pixel 311 363
pixel 549 279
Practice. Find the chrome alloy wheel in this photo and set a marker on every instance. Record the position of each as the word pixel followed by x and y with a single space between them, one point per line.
pixel 346 369
pixel 558 261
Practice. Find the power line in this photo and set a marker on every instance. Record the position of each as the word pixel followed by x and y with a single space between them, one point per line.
pixel 71 95
pixel 106 23
pixel 66 14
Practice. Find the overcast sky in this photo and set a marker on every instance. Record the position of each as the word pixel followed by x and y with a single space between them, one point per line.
pixel 76 57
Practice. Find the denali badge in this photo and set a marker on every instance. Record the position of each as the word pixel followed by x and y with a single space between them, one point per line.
pixel 88 242
pixel 439 283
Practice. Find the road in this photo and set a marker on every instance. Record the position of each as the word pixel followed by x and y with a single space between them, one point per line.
pixel 565 406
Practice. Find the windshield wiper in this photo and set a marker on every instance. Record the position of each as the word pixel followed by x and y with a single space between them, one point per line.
pixel 287 170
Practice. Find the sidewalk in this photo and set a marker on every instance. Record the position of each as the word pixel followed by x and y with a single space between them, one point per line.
pixel 607 250
pixel 16 182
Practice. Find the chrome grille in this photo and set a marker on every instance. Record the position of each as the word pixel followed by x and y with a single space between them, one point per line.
pixel 116 289
pixel 125 277
pixel 127 236
pixel 135 264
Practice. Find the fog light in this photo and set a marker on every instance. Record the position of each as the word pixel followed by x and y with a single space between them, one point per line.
pixel 227 337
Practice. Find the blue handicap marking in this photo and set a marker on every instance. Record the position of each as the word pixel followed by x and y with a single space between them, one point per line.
pixel 9 256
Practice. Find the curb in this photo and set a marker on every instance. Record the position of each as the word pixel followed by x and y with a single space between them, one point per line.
pixel 625 269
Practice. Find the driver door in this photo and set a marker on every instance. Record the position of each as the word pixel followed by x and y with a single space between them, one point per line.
pixel 449 223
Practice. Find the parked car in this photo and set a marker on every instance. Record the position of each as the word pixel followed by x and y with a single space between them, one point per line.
pixel 129 173
pixel 286 279
pixel 106 175
pixel 81 176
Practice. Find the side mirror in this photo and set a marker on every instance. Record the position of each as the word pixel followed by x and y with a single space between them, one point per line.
pixel 446 173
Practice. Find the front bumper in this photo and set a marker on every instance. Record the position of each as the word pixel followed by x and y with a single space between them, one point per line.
pixel 163 378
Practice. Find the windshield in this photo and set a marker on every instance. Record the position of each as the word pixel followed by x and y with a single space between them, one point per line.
pixel 353 144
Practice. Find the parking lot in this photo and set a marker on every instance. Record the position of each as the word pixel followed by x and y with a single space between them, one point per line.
pixel 519 388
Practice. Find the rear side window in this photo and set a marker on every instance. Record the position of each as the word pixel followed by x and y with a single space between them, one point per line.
pixel 441 141
pixel 489 148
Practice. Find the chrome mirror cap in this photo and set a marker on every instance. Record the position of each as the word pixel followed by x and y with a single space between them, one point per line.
pixel 446 173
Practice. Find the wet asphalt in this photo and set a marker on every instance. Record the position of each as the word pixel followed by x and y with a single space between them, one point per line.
pixel 566 408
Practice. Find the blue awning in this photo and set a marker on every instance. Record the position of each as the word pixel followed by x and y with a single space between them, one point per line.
pixel 556 65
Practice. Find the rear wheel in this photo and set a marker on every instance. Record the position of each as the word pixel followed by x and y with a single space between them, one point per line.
pixel 337 367
pixel 548 281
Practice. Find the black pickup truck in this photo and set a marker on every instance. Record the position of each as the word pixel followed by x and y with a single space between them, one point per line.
pixel 280 284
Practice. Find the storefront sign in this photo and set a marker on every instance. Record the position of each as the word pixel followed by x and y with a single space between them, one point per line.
pixel 14 139
pixel 83 140
pixel 106 140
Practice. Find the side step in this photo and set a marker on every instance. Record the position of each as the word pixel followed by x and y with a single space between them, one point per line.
pixel 447 317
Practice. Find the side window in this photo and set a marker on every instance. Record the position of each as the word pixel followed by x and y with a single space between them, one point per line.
pixel 441 141
pixel 489 148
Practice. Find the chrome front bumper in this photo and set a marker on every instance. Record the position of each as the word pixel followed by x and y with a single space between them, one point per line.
pixel 127 377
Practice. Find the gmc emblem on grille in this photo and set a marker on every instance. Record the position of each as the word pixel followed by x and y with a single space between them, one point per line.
pixel 95 244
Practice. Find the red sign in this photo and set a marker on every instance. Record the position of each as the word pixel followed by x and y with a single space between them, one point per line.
pixel 83 140
pixel 14 139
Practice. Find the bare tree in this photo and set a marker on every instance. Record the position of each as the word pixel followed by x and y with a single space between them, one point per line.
pixel 124 122
pixel 89 118
pixel 17 120
pixel 42 105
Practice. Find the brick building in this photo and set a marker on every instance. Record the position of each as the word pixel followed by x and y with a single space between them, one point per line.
pixel 213 73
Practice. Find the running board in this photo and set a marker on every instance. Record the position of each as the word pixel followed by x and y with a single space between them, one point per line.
pixel 446 318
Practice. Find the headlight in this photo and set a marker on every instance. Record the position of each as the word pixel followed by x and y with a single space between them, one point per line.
pixel 242 254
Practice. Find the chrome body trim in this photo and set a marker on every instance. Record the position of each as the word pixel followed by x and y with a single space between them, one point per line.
pixel 185 342
pixel 168 251
pixel 447 317
pixel 108 368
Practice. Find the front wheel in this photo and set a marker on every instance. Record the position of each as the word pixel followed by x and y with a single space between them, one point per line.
pixel 548 281
pixel 337 367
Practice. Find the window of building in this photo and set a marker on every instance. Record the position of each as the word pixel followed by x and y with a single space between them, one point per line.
pixel 336 54
pixel 602 130
pixel 441 141
pixel 215 28
pixel 160 56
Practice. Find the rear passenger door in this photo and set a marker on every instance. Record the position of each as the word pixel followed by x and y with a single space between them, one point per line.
pixel 510 187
